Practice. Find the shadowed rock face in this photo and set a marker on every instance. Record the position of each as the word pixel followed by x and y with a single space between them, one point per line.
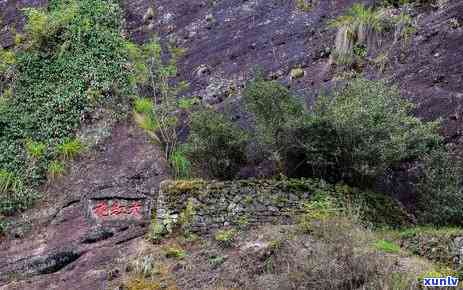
pixel 69 248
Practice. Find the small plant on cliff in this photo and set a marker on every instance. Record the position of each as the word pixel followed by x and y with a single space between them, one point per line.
pixel 358 26
pixel 387 246
pixel 304 5
pixel 174 251
pixel 216 146
pixel 35 150
pixel 180 164
pixel 186 217
pixel 225 238
pixel 56 169
pixel 69 148
pixel 7 72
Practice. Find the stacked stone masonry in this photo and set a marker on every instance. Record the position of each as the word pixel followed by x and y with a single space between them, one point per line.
pixel 232 203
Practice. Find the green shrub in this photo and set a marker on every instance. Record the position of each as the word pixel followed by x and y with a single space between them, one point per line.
pixel 225 237
pixel 56 169
pixel 14 195
pixel 174 252
pixel 440 192
pixel 353 135
pixel 356 28
pixel 360 131
pixel 216 146
pixel 387 247
pixel 143 105
pixel 69 148
pixel 180 164
pixel 273 107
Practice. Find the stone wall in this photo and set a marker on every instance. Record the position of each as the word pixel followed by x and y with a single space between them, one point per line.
pixel 206 206
pixel 232 203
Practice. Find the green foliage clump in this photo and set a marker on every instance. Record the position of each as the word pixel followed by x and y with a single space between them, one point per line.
pixel 216 146
pixel 318 209
pixel 186 218
pixel 273 106
pixel 398 3
pixel 157 230
pixel 304 5
pixel 35 149
pixel 180 164
pixel 55 169
pixel 275 110
pixel 358 27
pixel 14 195
pixel 69 148
pixel 143 105
pixel 174 252
pixel 353 135
pixel 440 192
pixel 70 60
pixel 225 237
pixel 374 128
pixel 387 247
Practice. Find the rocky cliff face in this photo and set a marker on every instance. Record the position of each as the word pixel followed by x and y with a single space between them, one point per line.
pixel 65 247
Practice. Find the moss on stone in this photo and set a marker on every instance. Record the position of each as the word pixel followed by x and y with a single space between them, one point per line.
pixel 217 203
pixel 182 186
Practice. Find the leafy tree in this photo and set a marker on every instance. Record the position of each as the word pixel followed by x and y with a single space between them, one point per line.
pixel 216 146
pixel 353 135
pixel 370 127
pixel 275 110
pixel 440 189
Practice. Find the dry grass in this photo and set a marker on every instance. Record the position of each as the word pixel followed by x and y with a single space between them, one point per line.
pixel 337 253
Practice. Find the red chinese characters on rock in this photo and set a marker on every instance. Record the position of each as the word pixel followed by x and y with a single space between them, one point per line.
pixel 103 209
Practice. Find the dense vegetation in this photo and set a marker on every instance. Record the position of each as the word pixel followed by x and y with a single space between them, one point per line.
pixel 70 60
pixel 354 135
